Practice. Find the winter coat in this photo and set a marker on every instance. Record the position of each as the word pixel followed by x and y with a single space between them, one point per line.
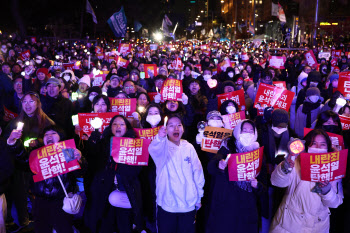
pixel 300 119
pixel 6 166
pixel 301 210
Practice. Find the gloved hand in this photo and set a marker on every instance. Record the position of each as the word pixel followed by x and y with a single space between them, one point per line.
pixel 184 99
pixel 199 138
pixel 322 187
pixel 287 164
pixel 157 98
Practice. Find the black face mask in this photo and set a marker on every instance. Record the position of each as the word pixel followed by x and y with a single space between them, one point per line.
pixel 332 129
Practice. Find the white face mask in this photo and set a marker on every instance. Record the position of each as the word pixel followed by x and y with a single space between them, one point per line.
pixel 153 119
pixel 314 98
pixel 316 150
pixel 230 74
pixel 206 77
pixel 215 123
pixel 279 130
pixel 38 61
pixel 246 139
pixel 67 78
pixel 230 109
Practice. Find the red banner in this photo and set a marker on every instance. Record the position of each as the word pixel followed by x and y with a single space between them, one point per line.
pixel 121 62
pixel 68 66
pixel 176 64
pixel 277 62
pixel 337 140
pixel 98 80
pixel 53 160
pixel 236 96
pixel 25 55
pixel 130 151
pixel 336 53
pixel 323 167
pixel 172 90
pixel 9 115
pixel 311 59
pixel 344 84
pixel 125 107
pixel 231 120
pixel 213 138
pixel 345 122
pixel 276 97
pixel 85 121
pixel 245 166
pixel 124 48
pixel 150 70
pixel 147 133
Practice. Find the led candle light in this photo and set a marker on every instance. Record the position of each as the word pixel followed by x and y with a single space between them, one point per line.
pixel 141 109
pixel 165 121
pixel 96 123
pixel 20 125
pixel 75 120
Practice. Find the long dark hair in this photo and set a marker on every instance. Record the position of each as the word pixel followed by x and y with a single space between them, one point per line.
pixel 105 99
pixel 130 133
pixel 231 142
pixel 324 117
pixel 180 109
pixel 147 125
pixel 310 137
pixel 224 105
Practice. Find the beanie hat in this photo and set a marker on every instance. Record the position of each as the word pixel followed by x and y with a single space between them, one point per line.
pixel 333 77
pixel 302 77
pixel 96 89
pixel 315 76
pixel 312 91
pixel 53 81
pixel 212 114
pixel 43 70
pixel 280 118
pixel 135 71
pixel 85 79
pixel 113 77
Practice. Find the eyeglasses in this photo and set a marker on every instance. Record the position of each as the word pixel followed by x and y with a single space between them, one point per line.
pixel 131 87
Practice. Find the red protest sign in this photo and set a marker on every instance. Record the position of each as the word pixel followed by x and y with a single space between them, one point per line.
pixel 317 167
pixel 336 53
pixel 213 138
pixel 98 80
pixel 9 115
pixel 244 57
pixel 224 65
pixel 268 95
pixel 150 70
pixel 124 48
pixel 237 96
pixel 152 95
pixel 280 84
pixel 98 49
pixel 310 58
pixel 85 121
pixel 121 62
pixel 199 67
pixel 68 66
pixel 125 107
pixel 344 84
pixel 147 133
pixel 176 64
pixel 231 120
pixel 345 122
pixel 245 166
pixel 130 151
pixel 277 62
pixel 172 90
pixel 337 140
pixel 53 160
pixel 25 55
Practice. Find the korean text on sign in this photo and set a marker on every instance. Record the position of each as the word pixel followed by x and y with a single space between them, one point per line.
pixel 49 161
pixel 130 151
pixel 231 120
pixel 245 166
pixel 172 90
pixel 236 96
pixel 147 133
pixel 125 107
pixel 213 138
pixel 323 167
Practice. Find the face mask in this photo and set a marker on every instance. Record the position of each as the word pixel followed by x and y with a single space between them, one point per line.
pixel 206 77
pixel 153 119
pixel 67 78
pixel 231 109
pixel 38 61
pixel 246 139
pixel 331 129
pixel 314 98
pixel 279 130
pixel 215 123
pixel 313 84
pixel 230 74
pixel 316 150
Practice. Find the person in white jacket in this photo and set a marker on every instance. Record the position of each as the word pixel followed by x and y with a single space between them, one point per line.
pixel 305 206
pixel 179 181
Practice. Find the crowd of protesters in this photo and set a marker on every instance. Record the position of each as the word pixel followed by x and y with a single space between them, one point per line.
pixel 183 189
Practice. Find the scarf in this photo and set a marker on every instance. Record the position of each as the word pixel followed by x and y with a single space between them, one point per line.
pixel 307 109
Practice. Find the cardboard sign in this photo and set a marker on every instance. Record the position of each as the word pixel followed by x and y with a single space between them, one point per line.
pixel 344 84
pixel 236 96
pixel 213 138
pixel 68 66
pixel 245 166
pixel 125 107
pixel 150 70
pixel 98 80
pixel 323 167
pixel 85 121
pixel 277 62
pixel 231 120
pixel 345 122
pixel 9 115
pixel 25 55
pixel 130 151
pixel 53 160
pixel 121 62
pixel 124 48
pixel 325 55
pixel 172 90
pixel 310 58
pixel 147 133
pixel 280 84
pixel 271 96
pixel 332 136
